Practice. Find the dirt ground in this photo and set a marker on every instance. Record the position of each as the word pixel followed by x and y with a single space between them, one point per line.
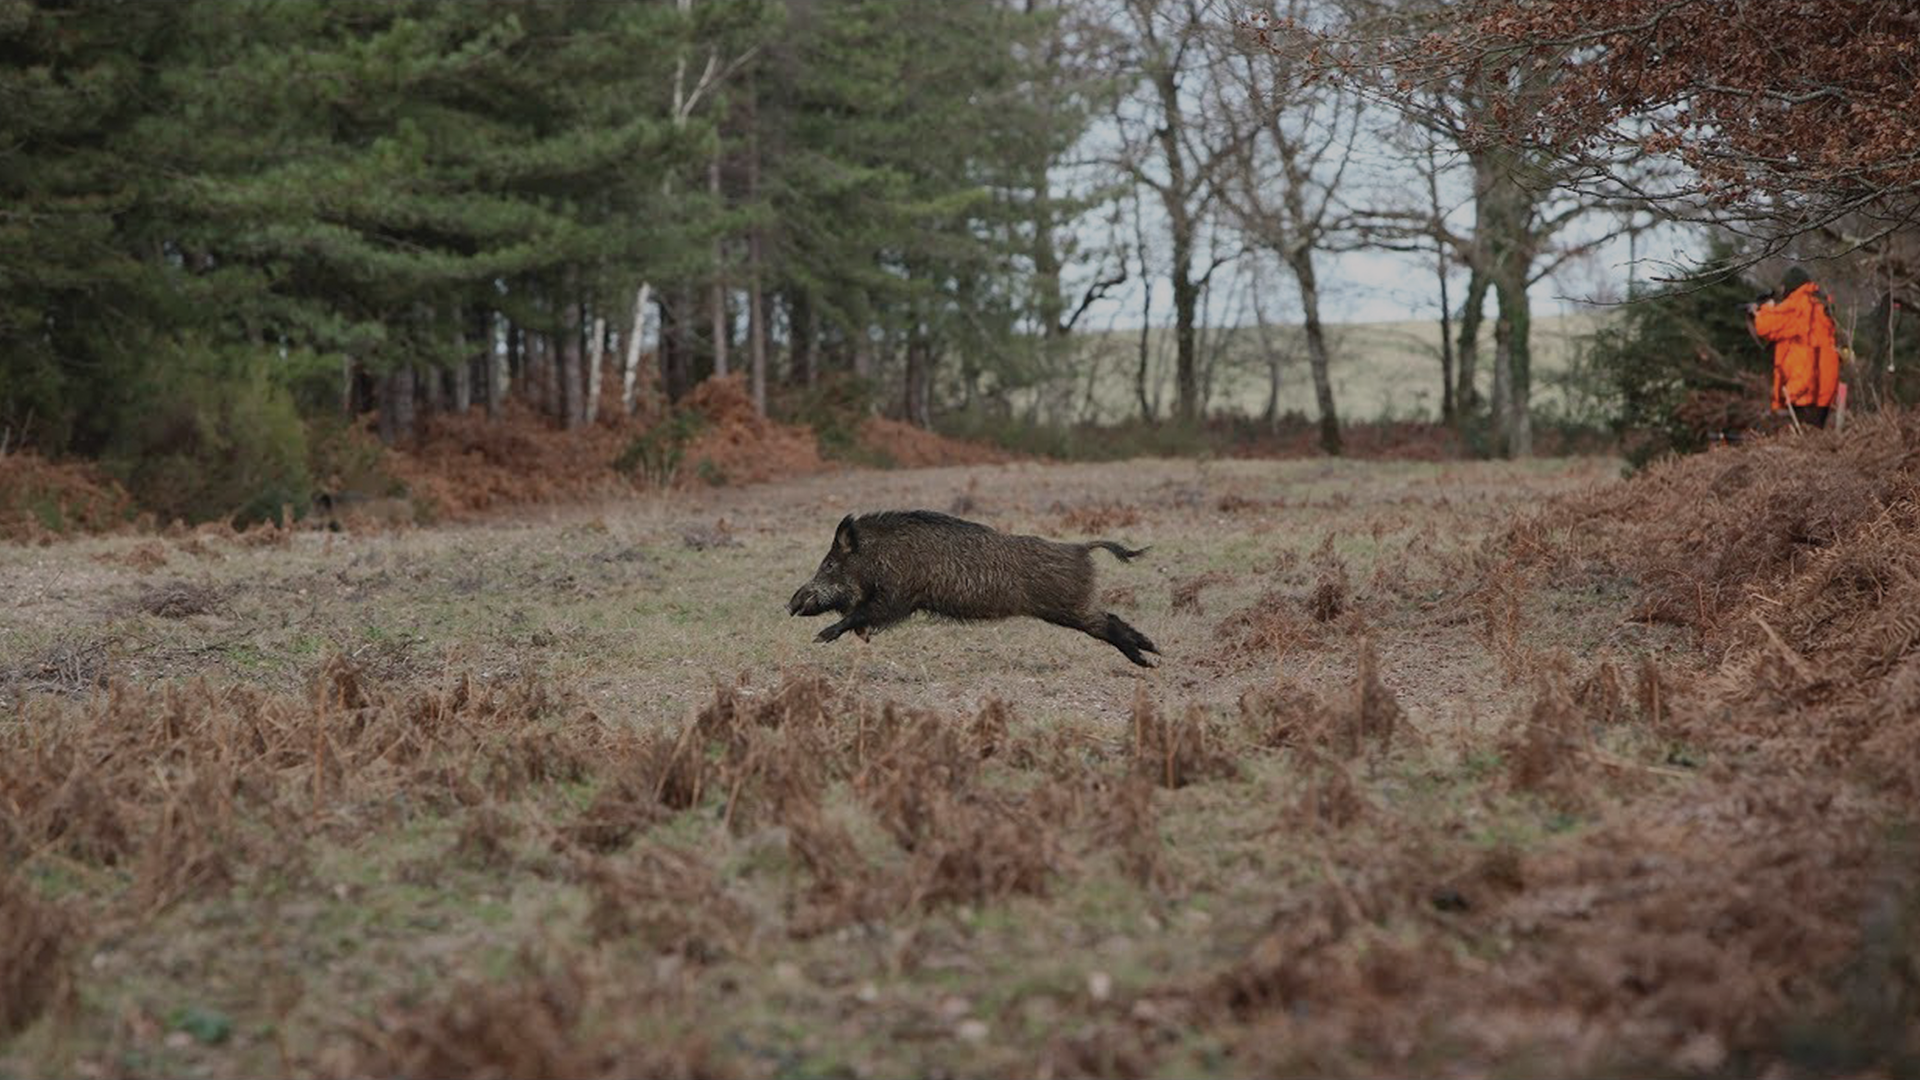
pixel 568 793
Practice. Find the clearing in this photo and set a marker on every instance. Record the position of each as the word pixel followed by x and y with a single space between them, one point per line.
pixel 568 793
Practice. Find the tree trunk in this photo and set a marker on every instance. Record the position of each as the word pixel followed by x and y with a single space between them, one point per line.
pixel 756 301
pixel 1301 262
pixel 499 365
pixel 919 379
pixel 430 392
pixel 1269 416
pixel 718 301
pixel 1466 395
pixel 462 375
pixel 533 372
pixel 756 328
pixel 802 368
pixel 383 403
pixel 399 405
pixel 567 357
pixel 1186 304
pixel 1516 361
pixel 1182 230
pixel 596 360
pixel 676 331
pixel 630 365
pixel 1051 306
pixel 516 354
pixel 1505 212
pixel 860 346
pixel 1502 370
pixel 551 377
pixel 1446 303
pixel 1147 409
pixel 1446 347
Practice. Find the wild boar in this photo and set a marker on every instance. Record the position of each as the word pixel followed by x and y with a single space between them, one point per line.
pixel 884 567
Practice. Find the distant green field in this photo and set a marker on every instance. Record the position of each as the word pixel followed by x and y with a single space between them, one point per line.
pixel 1388 370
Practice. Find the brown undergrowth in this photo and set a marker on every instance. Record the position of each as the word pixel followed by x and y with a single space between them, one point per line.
pixel 1690 917
pixel 41 500
pixel 175 795
pixel 1654 865
pixel 1308 606
pixel 466 465
pixel 1797 562
pixel 905 446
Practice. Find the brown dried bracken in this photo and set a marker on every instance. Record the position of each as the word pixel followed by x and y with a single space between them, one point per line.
pixel 36 942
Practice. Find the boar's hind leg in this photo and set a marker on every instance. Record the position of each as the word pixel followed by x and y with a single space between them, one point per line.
pixel 1114 630
pixel 1128 640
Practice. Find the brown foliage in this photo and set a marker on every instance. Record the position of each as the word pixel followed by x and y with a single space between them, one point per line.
pixel 1799 559
pixel 1283 620
pixel 668 897
pixel 904 445
pixel 179 599
pixel 1186 591
pixel 1275 624
pixel 532 1026
pixel 1130 825
pixel 1096 518
pixel 145 557
pixel 980 846
pixel 1593 82
pixel 1329 795
pixel 1698 534
pixel 1332 593
pixel 466 464
pixel 1175 753
pixel 487 832
pixel 739 446
pixel 158 776
pixel 41 499
pixel 1548 750
pixel 37 942
pixel 1680 928
pixel 1366 719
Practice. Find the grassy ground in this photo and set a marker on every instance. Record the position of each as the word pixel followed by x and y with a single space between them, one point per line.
pixel 570 794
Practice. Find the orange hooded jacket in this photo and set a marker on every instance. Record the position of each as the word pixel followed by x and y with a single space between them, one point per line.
pixel 1806 357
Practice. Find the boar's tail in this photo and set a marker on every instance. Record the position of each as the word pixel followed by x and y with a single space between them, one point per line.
pixel 1124 554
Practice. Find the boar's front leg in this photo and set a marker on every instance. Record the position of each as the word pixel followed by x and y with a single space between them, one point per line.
pixel 866 617
pixel 850 622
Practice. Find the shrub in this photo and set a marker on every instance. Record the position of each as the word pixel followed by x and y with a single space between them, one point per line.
pixel 213 434
pixel 655 454
pixel 835 409
pixel 1681 367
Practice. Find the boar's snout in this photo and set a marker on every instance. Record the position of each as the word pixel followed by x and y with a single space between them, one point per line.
pixel 806 601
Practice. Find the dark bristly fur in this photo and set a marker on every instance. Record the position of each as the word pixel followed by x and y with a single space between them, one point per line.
pixel 884 567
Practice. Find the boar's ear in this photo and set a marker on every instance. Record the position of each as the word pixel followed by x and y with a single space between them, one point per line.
pixel 845 541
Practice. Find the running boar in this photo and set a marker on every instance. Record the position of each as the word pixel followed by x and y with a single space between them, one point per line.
pixel 884 567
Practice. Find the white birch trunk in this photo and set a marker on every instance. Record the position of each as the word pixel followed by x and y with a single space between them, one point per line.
pixel 596 356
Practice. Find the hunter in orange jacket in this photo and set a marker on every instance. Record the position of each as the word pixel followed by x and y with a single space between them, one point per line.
pixel 1806 356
